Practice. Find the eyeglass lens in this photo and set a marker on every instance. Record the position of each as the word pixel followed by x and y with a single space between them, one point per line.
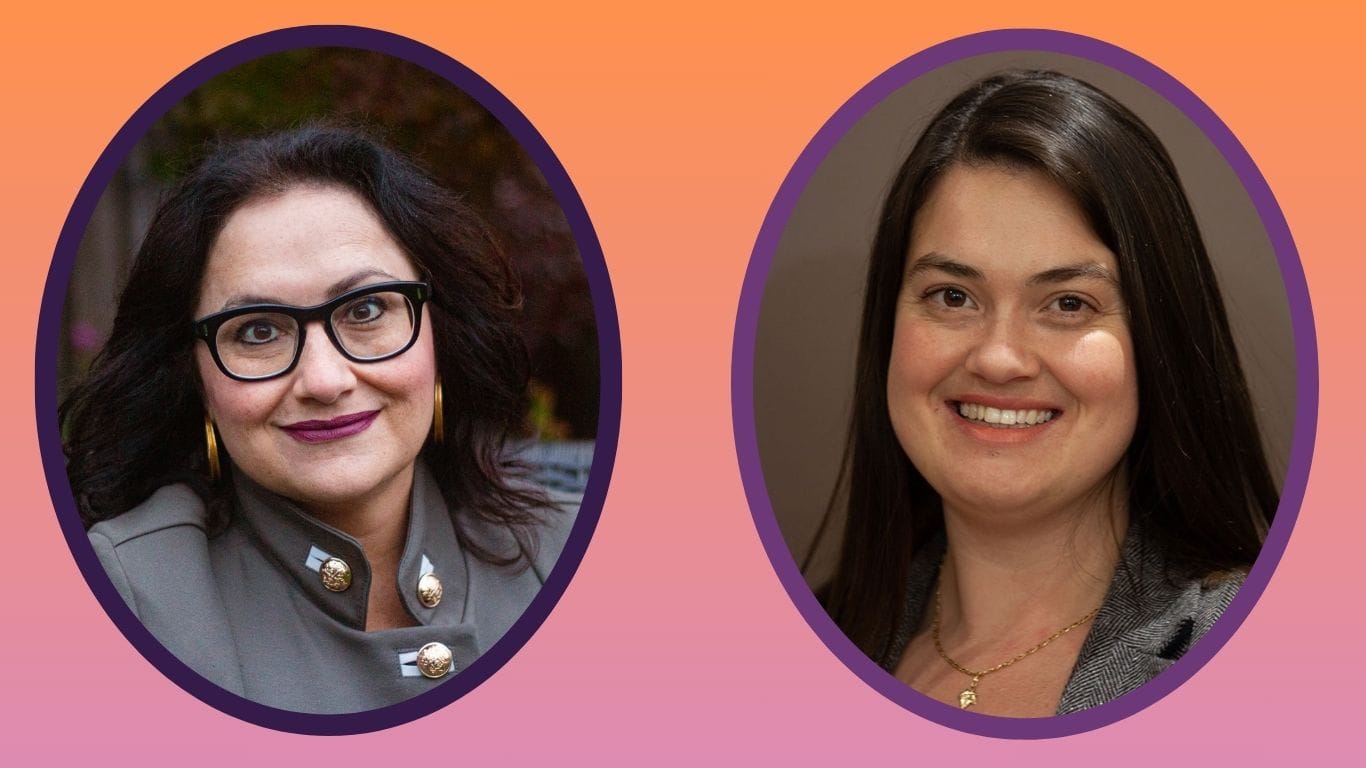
pixel 264 343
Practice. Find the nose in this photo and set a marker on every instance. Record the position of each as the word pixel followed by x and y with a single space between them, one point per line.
pixel 322 373
pixel 1004 351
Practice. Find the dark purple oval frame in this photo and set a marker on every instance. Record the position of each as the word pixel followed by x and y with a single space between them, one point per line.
pixel 742 381
pixel 609 341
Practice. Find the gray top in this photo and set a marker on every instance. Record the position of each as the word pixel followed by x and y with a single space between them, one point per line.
pixel 248 609
pixel 1145 624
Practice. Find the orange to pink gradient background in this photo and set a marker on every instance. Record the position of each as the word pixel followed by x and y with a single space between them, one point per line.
pixel 675 644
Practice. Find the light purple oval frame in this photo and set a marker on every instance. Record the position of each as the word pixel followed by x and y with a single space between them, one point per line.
pixel 609 344
pixel 742 380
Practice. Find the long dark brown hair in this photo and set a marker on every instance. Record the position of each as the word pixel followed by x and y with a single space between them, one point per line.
pixel 1198 478
pixel 135 423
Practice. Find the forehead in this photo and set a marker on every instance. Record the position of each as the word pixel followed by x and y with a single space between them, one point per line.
pixel 292 247
pixel 1003 219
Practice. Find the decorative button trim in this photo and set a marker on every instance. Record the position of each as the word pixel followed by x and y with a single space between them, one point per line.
pixel 335 574
pixel 434 660
pixel 429 590
pixel 315 558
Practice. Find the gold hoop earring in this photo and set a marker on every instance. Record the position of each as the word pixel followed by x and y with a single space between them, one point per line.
pixel 438 415
pixel 211 448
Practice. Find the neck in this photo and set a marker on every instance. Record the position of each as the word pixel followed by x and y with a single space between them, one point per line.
pixel 377 521
pixel 1024 582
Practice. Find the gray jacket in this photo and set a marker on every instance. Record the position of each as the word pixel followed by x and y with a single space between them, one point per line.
pixel 1146 623
pixel 249 611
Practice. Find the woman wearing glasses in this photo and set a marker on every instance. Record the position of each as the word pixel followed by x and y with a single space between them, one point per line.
pixel 290 452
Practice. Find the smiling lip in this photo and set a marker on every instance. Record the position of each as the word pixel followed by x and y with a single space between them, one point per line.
pixel 323 430
pixel 1003 431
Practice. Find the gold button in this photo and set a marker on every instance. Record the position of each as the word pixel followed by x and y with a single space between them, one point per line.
pixel 434 660
pixel 336 574
pixel 429 590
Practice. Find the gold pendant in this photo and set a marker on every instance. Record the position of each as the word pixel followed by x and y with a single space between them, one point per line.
pixel 969 697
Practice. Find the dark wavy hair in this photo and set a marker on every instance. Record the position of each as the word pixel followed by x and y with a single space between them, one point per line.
pixel 1198 478
pixel 135 423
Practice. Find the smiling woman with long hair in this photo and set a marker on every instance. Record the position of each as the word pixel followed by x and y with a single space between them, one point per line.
pixel 1055 480
pixel 290 453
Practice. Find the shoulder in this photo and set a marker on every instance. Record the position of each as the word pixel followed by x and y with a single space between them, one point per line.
pixel 540 539
pixel 157 556
pixel 1150 619
pixel 172 507
pixel 552 533
pixel 1171 610
pixel 1199 604
pixel 558 471
pixel 1175 616
pixel 149 543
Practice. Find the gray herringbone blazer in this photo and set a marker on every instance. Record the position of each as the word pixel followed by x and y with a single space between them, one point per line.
pixel 1146 623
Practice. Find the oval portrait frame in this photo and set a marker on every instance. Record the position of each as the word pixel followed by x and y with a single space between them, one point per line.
pixel 608 336
pixel 743 375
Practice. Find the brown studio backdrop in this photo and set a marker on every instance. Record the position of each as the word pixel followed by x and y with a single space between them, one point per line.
pixel 807 335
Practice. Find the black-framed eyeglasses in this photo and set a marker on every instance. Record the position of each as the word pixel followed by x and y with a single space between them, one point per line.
pixel 367 325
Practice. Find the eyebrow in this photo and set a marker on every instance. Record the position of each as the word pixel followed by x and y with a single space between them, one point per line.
pixel 336 289
pixel 942 263
pixel 1084 271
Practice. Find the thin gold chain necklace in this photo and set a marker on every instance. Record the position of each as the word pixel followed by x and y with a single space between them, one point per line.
pixel 969 696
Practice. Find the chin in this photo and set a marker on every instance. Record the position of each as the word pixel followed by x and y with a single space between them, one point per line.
pixel 332 495
pixel 996 499
pixel 333 484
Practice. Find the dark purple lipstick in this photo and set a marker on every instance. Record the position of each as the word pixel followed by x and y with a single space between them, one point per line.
pixel 323 430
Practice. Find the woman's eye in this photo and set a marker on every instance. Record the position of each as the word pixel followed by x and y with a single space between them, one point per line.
pixel 953 298
pixel 1070 304
pixel 258 332
pixel 365 310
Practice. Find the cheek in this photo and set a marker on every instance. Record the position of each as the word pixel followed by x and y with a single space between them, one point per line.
pixel 922 357
pixel 235 407
pixel 410 383
pixel 219 396
pixel 1101 375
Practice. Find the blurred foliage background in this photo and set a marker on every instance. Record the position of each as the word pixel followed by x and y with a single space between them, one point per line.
pixel 415 111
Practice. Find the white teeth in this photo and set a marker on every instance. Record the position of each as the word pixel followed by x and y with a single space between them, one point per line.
pixel 1004 418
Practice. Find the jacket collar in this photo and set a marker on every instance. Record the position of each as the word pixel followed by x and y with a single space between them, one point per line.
pixel 300 545
pixel 1144 624
pixel 1149 620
